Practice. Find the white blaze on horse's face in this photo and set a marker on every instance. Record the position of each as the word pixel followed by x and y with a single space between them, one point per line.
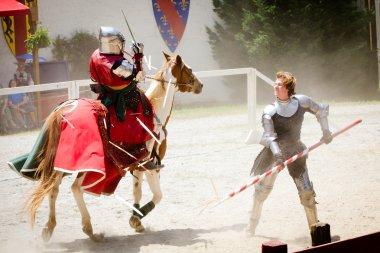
pixel 186 80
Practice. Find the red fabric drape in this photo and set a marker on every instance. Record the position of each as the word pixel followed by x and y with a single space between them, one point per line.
pixel 12 8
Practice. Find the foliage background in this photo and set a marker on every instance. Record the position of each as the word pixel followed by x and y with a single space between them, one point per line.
pixel 324 43
pixel 76 51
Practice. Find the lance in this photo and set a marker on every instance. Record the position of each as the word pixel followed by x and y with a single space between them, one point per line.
pixel 129 28
pixel 128 204
pixel 148 130
pixel 279 167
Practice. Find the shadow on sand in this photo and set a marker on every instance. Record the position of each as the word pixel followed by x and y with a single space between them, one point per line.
pixel 133 243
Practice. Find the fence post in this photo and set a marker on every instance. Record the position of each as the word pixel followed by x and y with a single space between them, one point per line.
pixel 251 101
pixel 73 90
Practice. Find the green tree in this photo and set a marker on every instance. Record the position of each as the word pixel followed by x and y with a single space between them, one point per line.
pixel 76 51
pixel 324 43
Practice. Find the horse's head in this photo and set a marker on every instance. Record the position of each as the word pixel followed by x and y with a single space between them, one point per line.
pixel 186 80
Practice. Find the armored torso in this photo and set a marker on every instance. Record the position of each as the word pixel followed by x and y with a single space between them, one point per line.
pixel 287 123
pixel 282 122
pixel 288 128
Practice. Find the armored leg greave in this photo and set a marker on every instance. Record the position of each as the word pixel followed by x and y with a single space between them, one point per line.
pixel 308 201
pixel 262 191
pixel 307 196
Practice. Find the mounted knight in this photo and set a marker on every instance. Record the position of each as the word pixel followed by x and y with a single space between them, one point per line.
pixel 130 111
pixel 109 133
pixel 101 140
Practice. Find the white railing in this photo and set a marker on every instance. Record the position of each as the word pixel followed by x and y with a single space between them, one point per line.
pixel 73 88
pixel 252 75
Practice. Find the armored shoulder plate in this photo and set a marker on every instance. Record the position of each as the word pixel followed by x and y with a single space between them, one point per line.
pixel 269 111
pixel 321 111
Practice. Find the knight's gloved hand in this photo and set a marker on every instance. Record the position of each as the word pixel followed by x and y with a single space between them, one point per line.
pixel 138 48
pixel 327 137
pixel 140 76
pixel 97 88
pixel 279 160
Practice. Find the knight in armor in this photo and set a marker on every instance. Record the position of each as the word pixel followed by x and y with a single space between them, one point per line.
pixel 117 80
pixel 282 122
pixel 111 131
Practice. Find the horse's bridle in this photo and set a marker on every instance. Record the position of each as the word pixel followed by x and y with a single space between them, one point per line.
pixel 191 76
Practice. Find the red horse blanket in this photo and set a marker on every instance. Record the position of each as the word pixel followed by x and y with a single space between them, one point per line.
pixel 81 149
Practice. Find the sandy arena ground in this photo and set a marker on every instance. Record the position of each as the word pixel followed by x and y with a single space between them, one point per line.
pixel 207 148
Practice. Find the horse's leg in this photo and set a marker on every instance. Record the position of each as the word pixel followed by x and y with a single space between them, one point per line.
pixel 134 221
pixel 86 219
pixel 154 185
pixel 48 230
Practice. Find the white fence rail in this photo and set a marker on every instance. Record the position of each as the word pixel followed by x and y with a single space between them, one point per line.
pixel 252 75
pixel 73 88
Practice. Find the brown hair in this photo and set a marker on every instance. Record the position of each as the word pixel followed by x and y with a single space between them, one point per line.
pixel 10 81
pixel 289 81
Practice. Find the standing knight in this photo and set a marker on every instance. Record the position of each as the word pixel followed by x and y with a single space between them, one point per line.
pixel 282 122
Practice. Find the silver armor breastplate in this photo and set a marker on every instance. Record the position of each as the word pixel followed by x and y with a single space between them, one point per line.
pixel 286 108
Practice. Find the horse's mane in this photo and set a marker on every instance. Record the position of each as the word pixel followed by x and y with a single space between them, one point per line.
pixel 160 76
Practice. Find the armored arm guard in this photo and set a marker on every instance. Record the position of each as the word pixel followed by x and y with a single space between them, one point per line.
pixel 138 50
pixel 127 70
pixel 321 111
pixel 124 69
pixel 269 136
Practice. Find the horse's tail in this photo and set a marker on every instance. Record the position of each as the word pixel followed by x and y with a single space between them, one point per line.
pixel 48 177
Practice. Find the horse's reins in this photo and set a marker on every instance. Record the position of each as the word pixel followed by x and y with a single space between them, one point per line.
pixel 175 83
pixel 190 84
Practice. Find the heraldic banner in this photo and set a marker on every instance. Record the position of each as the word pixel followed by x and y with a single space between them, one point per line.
pixel 171 18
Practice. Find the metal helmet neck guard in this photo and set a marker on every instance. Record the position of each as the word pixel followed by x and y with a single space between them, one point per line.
pixel 111 40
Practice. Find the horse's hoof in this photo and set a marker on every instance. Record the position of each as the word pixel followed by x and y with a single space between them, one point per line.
pixel 135 223
pixel 250 231
pixel 140 229
pixel 97 237
pixel 46 234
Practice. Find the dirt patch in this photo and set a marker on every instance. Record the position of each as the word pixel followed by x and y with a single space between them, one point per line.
pixel 203 153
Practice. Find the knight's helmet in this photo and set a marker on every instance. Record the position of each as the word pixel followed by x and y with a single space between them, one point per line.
pixel 111 41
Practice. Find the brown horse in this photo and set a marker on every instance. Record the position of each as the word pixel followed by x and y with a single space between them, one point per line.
pixel 173 75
